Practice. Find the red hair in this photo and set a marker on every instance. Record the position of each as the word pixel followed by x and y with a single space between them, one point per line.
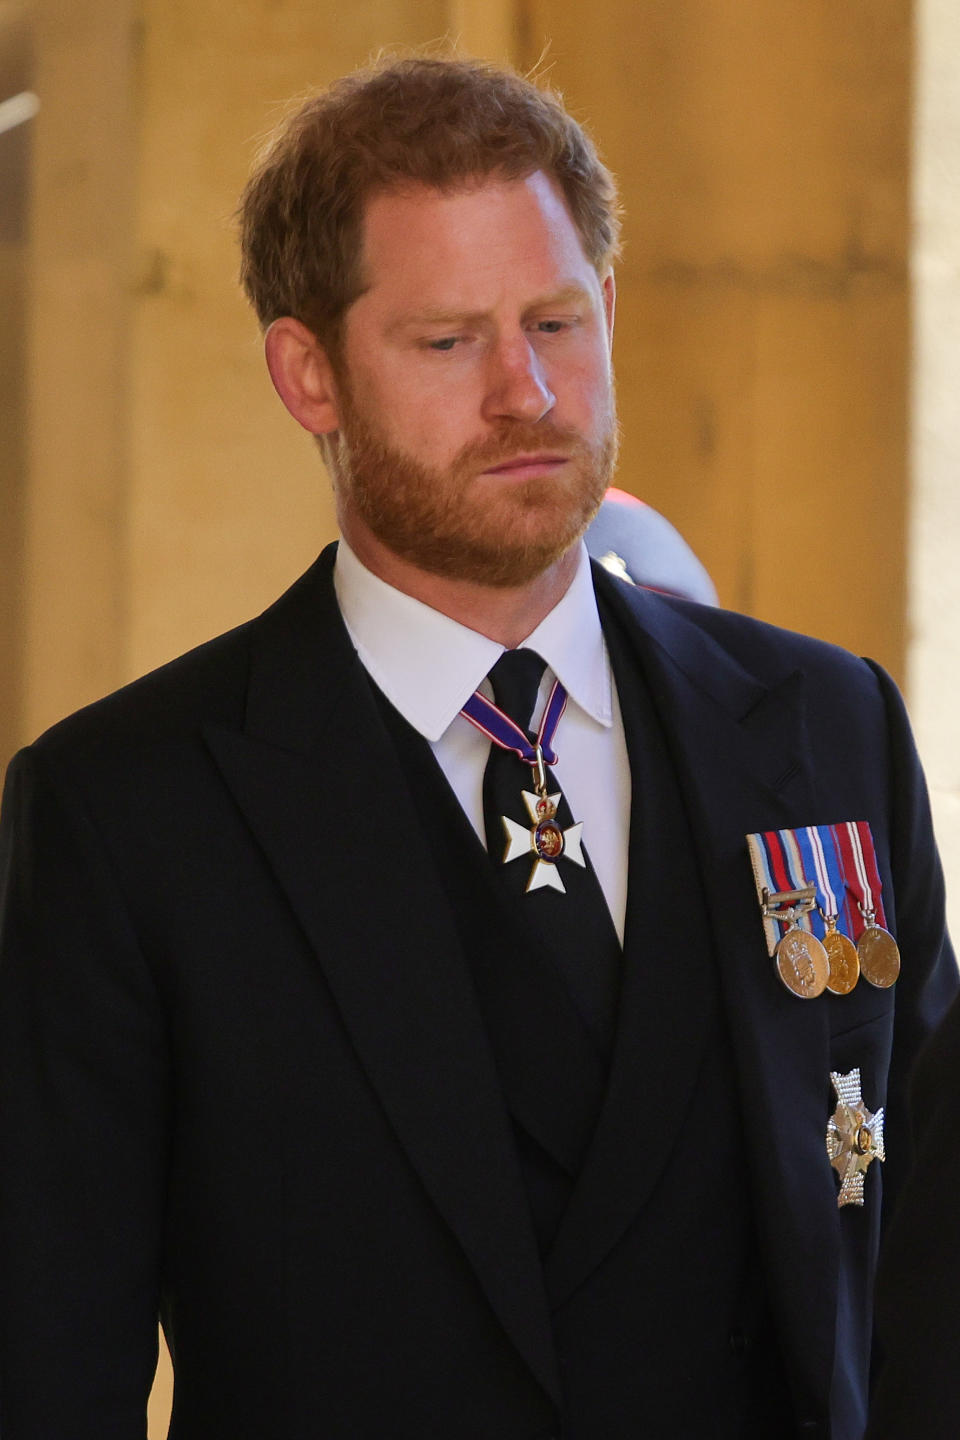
pixel 445 123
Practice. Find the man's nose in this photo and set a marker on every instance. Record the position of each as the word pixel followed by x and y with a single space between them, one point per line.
pixel 517 384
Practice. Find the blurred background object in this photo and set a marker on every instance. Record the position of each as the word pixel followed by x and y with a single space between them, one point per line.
pixel 637 543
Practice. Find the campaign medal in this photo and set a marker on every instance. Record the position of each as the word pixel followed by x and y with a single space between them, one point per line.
pixel 878 953
pixel 801 960
pixel 854 1137
pixel 786 898
pixel 841 954
pixel 802 963
pixel 842 958
pixel 543 838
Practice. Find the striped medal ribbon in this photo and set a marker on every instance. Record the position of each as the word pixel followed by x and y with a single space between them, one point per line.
pixel 835 864
pixel 877 951
pixel 841 951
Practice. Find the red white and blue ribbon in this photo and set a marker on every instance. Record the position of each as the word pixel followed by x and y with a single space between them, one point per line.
pixel 839 860
pixel 491 721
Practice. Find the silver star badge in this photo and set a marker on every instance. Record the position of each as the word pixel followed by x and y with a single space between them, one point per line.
pixel 854 1137
pixel 543 838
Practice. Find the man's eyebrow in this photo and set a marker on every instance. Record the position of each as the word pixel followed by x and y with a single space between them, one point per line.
pixel 573 294
pixel 569 295
pixel 413 319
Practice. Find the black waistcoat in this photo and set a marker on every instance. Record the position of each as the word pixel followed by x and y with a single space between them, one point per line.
pixel 670 1336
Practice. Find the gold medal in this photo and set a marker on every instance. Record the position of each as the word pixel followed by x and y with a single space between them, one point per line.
pixel 802 963
pixel 801 960
pixel 879 955
pixel 842 958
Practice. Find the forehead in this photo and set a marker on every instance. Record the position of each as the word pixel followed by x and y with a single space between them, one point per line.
pixel 470 243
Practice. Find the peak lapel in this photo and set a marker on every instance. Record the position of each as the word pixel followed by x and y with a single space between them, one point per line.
pixel 739 746
pixel 317 780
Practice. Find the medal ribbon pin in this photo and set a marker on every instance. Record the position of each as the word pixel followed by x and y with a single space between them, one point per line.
pixel 833 869
pixel 544 838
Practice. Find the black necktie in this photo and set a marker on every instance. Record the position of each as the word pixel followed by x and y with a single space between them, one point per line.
pixel 573 928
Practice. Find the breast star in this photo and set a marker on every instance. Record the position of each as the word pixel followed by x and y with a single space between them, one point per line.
pixel 854 1137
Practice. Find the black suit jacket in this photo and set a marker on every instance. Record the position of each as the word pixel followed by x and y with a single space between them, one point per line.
pixel 918 1289
pixel 245 1081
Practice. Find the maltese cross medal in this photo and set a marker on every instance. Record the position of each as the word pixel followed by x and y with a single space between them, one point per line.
pixel 854 1137
pixel 544 839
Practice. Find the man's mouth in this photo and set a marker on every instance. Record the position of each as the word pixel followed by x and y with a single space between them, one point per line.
pixel 524 466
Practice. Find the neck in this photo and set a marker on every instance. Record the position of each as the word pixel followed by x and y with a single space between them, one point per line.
pixel 507 615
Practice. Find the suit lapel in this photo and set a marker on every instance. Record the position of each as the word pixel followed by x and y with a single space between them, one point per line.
pixel 317 779
pixel 667 1003
pixel 739 747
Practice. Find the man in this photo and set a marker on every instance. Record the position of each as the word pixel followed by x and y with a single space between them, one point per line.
pixel 420 1058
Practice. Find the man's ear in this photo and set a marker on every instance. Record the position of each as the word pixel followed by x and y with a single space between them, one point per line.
pixel 609 287
pixel 302 375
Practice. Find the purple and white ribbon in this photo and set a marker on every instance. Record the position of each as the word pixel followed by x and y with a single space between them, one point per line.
pixel 491 721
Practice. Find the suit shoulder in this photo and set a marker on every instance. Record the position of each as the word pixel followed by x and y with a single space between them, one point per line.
pixel 759 636
pixel 207 683
pixel 768 649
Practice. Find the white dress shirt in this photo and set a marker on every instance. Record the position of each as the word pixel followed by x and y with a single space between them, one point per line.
pixel 428 665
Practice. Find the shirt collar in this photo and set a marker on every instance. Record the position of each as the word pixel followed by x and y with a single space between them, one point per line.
pixel 427 665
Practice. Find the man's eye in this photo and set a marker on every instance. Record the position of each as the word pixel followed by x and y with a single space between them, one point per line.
pixel 445 345
pixel 551 327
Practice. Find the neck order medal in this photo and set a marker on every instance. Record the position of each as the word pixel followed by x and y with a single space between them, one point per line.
pixel 543 838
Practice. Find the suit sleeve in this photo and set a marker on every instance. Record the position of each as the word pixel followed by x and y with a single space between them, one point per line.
pixel 929 979
pixel 918 1286
pixel 918 1289
pixel 82 1130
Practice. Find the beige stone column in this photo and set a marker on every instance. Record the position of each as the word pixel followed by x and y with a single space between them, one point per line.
pixel 74 576
pixel 486 28
pixel 934 611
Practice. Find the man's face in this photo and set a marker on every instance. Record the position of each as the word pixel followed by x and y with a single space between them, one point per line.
pixel 477 430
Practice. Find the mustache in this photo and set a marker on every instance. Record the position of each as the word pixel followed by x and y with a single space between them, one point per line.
pixel 520 439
